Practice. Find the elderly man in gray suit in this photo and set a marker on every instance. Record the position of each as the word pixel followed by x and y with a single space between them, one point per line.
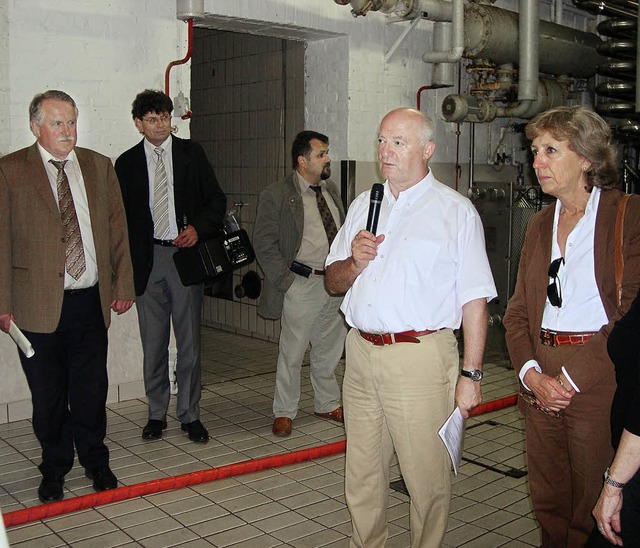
pixel 296 221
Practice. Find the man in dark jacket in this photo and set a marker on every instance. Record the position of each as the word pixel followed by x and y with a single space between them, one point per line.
pixel 173 200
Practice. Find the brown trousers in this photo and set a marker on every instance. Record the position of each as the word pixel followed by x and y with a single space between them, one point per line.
pixel 567 457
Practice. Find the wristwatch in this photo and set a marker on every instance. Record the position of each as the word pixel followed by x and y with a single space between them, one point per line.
pixel 610 481
pixel 475 375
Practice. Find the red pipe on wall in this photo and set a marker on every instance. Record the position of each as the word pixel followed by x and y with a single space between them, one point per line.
pixel 181 61
pixel 420 90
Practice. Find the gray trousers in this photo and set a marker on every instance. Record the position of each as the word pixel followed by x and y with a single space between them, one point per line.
pixel 309 315
pixel 164 301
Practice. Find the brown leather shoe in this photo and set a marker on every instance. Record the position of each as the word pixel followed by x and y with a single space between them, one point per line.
pixel 282 427
pixel 335 415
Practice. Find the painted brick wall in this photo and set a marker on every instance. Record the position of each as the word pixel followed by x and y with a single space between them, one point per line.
pixel 102 54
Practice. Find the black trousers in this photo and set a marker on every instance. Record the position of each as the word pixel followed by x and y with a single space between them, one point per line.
pixel 68 380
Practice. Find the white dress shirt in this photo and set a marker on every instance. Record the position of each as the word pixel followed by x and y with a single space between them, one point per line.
pixel 582 309
pixel 432 261
pixel 89 277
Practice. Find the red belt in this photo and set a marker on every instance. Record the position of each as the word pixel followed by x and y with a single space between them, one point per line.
pixel 559 338
pixel 380 339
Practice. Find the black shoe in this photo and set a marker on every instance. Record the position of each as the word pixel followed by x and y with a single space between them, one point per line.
pixel 103 478
pixel 197 432
pixel 50 488
pixel 153 429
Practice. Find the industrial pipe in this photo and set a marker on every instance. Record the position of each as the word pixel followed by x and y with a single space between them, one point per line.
pixel 528 68
pixel 433 10
pixel 181 61
pixel 75 504
pixel 455 53
pixel 43 511
pixel 528 47
pixel 490 33
pixel 621 8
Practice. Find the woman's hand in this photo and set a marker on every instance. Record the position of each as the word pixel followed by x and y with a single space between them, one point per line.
pixel 607 513
pixel 553 393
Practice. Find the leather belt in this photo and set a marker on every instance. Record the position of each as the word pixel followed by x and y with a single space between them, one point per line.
pixel 318 272
pixel 165 243
pixel 380 339
pixel 561 338
pixel 80 290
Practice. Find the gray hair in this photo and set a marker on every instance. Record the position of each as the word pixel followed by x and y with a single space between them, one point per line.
pixel 35 108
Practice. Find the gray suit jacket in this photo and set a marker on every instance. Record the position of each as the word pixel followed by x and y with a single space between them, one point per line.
pixel 277 236
pixel 32 253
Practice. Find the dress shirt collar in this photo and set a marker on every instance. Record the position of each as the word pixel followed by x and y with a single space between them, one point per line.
pixel 590 211
pixel 413 193
pixel 150 148
pixel 46 155
pixel 305 185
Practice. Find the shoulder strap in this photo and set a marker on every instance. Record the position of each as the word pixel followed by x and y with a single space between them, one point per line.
pixel 619 235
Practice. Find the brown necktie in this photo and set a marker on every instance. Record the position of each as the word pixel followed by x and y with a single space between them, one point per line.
pixel 327 219
pixel 74 256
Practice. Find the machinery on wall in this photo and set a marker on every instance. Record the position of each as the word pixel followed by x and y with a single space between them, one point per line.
pixel 517 66
pixel 618 87
pixel 504 80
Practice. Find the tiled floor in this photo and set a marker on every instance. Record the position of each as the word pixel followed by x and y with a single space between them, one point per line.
pixel 299 505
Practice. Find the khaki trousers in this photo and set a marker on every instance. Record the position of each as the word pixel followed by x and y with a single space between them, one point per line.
pixel 397 397
pixel 309 315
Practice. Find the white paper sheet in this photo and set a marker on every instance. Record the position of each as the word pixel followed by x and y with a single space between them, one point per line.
pixel 452 434
pixel 22 341
pixel 4 542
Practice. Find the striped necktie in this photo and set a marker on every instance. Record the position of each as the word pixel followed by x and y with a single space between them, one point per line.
pixel 161 199
pixel 75 263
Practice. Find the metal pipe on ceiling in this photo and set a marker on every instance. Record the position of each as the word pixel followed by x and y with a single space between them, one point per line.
pixel 529 14
pixel 609 8
pixel 457 47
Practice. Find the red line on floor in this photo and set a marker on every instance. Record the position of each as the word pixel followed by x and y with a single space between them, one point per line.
pixel 43 511
pixel 494 405
pixel 83 502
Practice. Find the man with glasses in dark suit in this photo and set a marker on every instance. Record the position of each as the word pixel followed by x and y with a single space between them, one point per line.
pixel 173 200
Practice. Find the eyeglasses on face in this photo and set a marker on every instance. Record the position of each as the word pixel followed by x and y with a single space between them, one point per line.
pixel 153 120
pixel 554 292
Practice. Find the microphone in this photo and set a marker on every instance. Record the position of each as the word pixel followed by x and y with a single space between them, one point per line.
pixel 377 192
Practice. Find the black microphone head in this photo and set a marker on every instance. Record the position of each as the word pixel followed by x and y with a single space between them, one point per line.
pixel 377 192
pixel 375 203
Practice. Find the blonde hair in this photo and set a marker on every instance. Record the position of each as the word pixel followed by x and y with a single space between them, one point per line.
pixel 589 136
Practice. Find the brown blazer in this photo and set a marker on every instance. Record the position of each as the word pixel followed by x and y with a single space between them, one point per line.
pixel 32 253
pixel 589 364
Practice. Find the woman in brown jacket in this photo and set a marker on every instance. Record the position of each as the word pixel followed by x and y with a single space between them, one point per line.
pixel 564 305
